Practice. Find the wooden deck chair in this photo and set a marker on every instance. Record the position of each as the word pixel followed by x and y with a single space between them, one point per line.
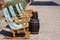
pixel 20 13
pixel 25 24
pixel 28 13
pixel 20 9
pixel 12 25
pixel 14 15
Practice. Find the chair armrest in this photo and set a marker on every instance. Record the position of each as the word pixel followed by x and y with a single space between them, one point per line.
pixel 29 12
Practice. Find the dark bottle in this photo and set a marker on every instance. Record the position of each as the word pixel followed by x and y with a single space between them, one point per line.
pixel 34 26
pixel 35 15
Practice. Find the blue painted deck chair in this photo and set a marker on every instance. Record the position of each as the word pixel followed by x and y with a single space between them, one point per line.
pixel 10 22
pixel 20 11
pixel 28 12
pixel 14 15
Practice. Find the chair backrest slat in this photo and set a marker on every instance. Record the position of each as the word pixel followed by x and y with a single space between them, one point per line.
pixel 12 11
pixel 20 5
pixel 18 9
pixel 6 13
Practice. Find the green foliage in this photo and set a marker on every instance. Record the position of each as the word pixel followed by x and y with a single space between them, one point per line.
pixel 23 2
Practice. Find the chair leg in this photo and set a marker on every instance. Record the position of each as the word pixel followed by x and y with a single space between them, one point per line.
pixel 13 33
pixel 26 33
